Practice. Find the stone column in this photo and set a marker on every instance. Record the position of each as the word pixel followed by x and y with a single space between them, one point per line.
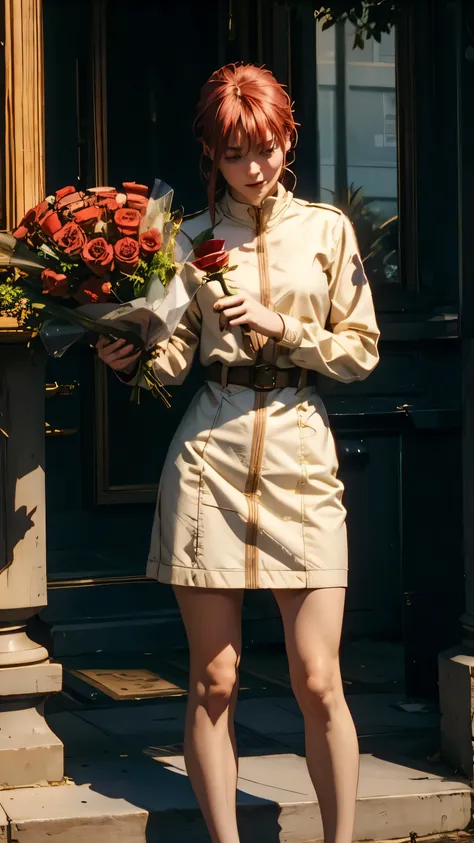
pixel 29 752
pixel 456 667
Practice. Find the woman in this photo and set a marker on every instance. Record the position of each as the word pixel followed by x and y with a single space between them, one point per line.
pixel 250 496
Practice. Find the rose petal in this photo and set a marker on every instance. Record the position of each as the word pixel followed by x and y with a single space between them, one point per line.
pixel 139 203
pixel 65 191
pixel 51 223
pixel 55 283
pixel 108 191
pixel 133 187
pixel 209 247
pixel 69 199
pixel 21 232
pixel 87 217
pixel 212 263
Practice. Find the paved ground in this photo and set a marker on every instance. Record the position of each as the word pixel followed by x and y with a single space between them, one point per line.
pixel 128 782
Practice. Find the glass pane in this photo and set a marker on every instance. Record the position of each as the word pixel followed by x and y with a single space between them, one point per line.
pixel 357 113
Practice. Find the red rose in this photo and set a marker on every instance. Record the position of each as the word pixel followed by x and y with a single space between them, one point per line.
pixel 55 283
pixel 126 255
pixel 26 225
pixel 94 290
pixel 65 191
pixel 127 221
pixel 71 239
pixel 50 223
pixel 98 255
pixel 150 242
pixel 88 217
pixel 138 189
pixel 211 256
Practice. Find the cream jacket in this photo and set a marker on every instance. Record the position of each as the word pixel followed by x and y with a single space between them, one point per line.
pixel 249 495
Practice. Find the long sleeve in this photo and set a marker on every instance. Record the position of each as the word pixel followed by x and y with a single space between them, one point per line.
pixel 348 351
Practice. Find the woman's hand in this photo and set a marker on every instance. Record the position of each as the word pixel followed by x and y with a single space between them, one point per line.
pixel 118 355
pixel 242 310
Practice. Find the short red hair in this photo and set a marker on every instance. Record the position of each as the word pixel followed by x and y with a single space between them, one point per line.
pixel 241 96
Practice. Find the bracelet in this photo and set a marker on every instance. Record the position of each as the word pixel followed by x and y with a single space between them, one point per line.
pixel 284 328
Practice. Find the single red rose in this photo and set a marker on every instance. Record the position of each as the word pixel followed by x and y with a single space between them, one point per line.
pixel 65 191
pixel 127 221
pixel 94 290
pixel 50 223
pixel 150 242
pixel 126 255
pixel 88 217
pixel 71 239
pixel 98 255
pixel 211 256
pixel 55 283
pixel 133 187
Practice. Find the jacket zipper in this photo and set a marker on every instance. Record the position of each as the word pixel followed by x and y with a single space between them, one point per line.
pixel 259 427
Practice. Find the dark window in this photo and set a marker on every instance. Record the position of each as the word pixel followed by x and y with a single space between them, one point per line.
pixel 357 121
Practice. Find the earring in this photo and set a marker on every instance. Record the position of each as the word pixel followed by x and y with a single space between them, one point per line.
pixel 294 177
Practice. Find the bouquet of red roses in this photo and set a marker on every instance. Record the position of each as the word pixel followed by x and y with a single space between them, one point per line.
pixel 97 246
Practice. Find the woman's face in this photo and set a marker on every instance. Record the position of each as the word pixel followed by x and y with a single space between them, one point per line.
pixel 252 171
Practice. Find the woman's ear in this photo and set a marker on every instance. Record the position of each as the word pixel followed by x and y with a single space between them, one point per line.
pixel 287 144
pixel 207 151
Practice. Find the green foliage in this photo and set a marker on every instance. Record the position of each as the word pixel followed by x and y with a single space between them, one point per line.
pixel 14 302
pixel 371 18
pixel 208 234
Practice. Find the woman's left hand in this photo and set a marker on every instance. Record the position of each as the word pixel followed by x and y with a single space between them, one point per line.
pixel 242 310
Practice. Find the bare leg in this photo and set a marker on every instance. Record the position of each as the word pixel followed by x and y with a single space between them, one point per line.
pixel 313 622
pixel 212 619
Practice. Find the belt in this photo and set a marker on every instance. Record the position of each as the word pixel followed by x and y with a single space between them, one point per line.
pixel 261 377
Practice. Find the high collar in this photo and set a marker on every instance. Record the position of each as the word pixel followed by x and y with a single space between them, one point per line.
pixel 271 210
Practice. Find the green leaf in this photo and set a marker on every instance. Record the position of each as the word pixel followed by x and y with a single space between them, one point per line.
pixel 327 24
pixel 208 234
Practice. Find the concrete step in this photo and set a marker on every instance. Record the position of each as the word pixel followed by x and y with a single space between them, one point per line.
pixel 128 781
pixel 150 800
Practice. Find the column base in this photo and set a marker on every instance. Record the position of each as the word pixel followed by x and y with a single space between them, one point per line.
pixel 456 691
pixel 29 751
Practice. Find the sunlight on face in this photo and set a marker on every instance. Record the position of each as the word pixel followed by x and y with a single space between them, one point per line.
pixel 252 171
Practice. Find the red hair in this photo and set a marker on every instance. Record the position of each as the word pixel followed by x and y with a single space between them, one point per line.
pixel 241 96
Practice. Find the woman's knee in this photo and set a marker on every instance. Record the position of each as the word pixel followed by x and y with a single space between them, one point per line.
pixel 318 687
pixel 216 685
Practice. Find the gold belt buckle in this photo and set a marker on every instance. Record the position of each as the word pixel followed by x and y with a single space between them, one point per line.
pixel 264 377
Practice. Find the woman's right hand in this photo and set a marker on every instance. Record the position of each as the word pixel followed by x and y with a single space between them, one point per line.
pixel 118 355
